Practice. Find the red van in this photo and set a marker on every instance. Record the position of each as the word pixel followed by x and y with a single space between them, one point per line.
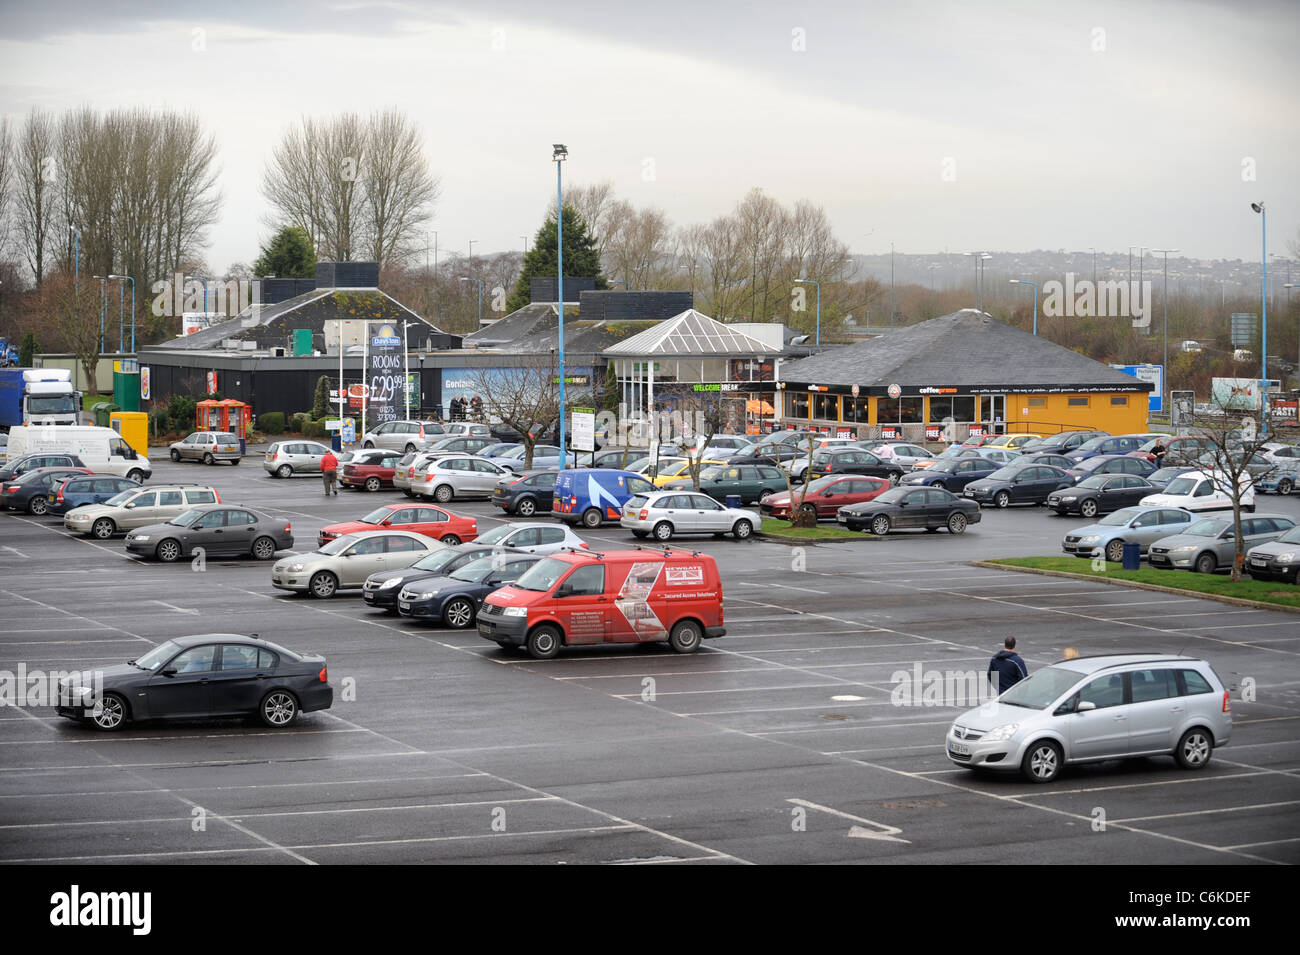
pixel 623 596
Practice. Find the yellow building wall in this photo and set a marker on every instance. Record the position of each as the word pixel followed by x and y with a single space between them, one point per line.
pixel 1058 414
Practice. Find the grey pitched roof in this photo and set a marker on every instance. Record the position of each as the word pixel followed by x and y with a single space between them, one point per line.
pixel 522 322
pixel 691 334
pixel 967 348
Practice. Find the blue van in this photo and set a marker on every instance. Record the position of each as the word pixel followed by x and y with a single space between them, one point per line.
pixel 595 495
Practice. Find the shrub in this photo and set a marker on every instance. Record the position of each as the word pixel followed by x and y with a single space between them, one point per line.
pixel 272 422
pixel 299 422
pixel 180 409
pixel 321 406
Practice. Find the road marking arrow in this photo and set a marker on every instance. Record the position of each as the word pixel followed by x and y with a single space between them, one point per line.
pixel 877 830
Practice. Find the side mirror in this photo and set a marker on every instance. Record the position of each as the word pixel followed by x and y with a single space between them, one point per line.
pixel 387 523
pixel 170 671
pixel 1085 707
pixel 130 505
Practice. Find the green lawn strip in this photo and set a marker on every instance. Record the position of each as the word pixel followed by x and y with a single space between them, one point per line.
pixel 782 529
pixel 1247 592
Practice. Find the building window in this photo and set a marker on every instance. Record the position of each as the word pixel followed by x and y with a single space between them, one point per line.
pixel 900 410
pixel 796 405
pixel 1037 402
pixel 856 409
pixel 955 409
pixel 826 407
pixel 1077 402
pixel 1119 399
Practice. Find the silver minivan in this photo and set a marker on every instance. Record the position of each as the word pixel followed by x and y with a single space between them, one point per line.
pixel 1089 709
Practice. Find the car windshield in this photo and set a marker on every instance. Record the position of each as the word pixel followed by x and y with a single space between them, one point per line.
pixel 1091 445
pixel 186 518
pixel 1040 690
pixel 1210 527
pixel 543 574
pixel 157 656
pixel 377 516
pixel 496 535
pixel 122 498
pixel 710 473
pixel 1120 517
pixel 1006 473
pixel 1164 474
pixel 437 560
pixel 893 495
pixel 822 484
pixel 475 570
pixel 942 466
pixel 338 544
pixel 1291 537
pixel 1182 485
pixel 1095 481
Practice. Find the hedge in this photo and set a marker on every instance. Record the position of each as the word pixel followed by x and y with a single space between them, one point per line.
pixel 272 422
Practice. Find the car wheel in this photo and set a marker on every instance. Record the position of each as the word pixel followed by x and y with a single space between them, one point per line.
pixel 880 525
pixel 408 492
pixel 323 584
pixel 284 471
pixel 1002 499
pixel 544 642
pixel 136 475
pixel 640 535
pixel 895 477
pixel 1042 763
pixel 764 495
pixel 1284 486
pixel 1088 508
pixel 451 540
pixel 1206 563
pixel 742 530
pixel 38 505
pixel 663 531
pixel 208 459
pixel 957 523
pixel 278 709
pixel 168 551
pixel 109 713
pixel 526 507
pixel 459 614
pixel 443 494
pixel 685 636
pixel 1115 551
pixel 1194 749
pixel 1248 508
pixel 264 548
pixel 591 517
pixel 103 528
pixel 409 448
pixel 808 510
pixel 368 445
pixel 175 455
pixel 373 484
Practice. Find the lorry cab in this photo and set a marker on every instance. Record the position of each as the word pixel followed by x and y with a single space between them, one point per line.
pixel 624 596
pixel 38 396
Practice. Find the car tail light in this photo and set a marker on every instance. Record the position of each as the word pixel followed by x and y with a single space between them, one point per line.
pixel 585 546
pixel 214 446
pixel 12 489
pixel 288 528
pixel 59 497
pixel 573 501
pixel 324 674
pixel 421 431
pixel 644 515
pixel 1227 703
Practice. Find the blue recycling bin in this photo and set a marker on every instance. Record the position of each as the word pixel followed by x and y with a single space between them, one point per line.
pixel 1132 558
pixel 733 500
pixel 336 442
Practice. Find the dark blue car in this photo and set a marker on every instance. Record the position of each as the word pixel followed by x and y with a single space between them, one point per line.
pixel 87 489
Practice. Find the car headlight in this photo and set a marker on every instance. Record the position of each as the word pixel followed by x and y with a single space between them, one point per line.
pixel 514 611
pixel 1090 540
pixel 426 594
pixel 1286 558
pixel 390 584
pixel 1069 497
pixel 139 537
pixel 1000 733
pixel 295 568
pixel 1183 550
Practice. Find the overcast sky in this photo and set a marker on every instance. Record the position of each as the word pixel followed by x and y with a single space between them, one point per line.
pixel 934 125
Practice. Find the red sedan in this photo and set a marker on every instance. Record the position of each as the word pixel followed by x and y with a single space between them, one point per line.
pixel 826 495
pixel 370 469
pixel 427 519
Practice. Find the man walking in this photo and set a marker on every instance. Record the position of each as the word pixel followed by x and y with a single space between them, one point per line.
pixel 1010 668
pixel 329 469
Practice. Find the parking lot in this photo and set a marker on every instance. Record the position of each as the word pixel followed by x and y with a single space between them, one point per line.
pixel 776 743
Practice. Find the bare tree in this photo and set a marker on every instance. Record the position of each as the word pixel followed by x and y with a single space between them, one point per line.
pixel 69 313
pixel 599 208
pixel 399 191
pixel 525 397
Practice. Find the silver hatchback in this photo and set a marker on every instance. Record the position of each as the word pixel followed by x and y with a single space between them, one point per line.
pixel 1089 709
pixel 287 458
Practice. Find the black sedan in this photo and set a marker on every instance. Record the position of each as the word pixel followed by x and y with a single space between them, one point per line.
pixel 900 507
pixel 1019 484
pixel 527 495
pixel 381 589
pixel 852 461
pixel 30 491
pixel 214 529
pixel 198 677
pixel 1112 464
pixel 953 474
pixel 1101 494
pixel 454 600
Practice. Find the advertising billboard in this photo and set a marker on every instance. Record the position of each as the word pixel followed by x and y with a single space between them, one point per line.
pixel 387 399
pixel 1152 373
pixel 1235 394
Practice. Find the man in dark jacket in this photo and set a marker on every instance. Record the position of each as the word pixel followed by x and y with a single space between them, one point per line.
pixel 1008 665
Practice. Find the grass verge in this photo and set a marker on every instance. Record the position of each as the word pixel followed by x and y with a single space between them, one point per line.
pixel 1217 586
pixel 773 527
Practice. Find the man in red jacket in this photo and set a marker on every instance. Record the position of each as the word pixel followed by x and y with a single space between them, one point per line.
pixel 329 469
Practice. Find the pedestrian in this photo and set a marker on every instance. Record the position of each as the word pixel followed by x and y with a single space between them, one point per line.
pixel 1010 668
pixel 329 469
pixel 1158 452
pixel 478 408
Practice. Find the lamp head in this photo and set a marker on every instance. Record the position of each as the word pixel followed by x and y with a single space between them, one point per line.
pixel 559 152
pixel 1257 206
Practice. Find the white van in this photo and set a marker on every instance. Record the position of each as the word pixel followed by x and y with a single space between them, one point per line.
pixel 1202 491
pixel 100 449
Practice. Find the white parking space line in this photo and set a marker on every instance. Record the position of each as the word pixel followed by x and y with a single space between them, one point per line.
pixel 1209 812
pixel 1200 613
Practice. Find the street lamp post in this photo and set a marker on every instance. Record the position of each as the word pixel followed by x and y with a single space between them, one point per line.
pixel 980 258
pixel 1034 286
pixel 819 306
pixel 525 238
pixel 558 154
pixel 103 309
pixel 464 278
pixel 1263 305
pixel 1164 374
pixel 932 267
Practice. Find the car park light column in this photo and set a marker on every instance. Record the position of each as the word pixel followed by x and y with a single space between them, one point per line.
pixel 819 304
pixel 1034 285
pixel 558 155
pixel 1263 325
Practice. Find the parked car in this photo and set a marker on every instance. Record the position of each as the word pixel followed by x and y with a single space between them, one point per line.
pixel 749 482
pixel 449 478
pixel 525 495
pixel 200 677
pixel 1111 464
pixel 1018 484
pixel 954 473
pixel 1066 441
pixel 1276 560
pixel 286 458
pixel 533 537
pixel 903 453
pixel 500 450
pixel 1092 708
pixel 544 456
pixel 664 514
pixel 825 445
pixel 853 460
pixel 427 519
pixel 774 448
pixel 1178 450
pixel 978 440
pixel 825 496
pixel 138 508
pixel 466 444
pixel 408 477
pixel 30 462
pixel 1035 456
pixel 1210 543
pixel 1202 491
pixel 30 491
pixel 1100 494
pixel 404 436
pixel 1282 480
pixel 381 589
pixel 454 600
pixel 1014 442
pixel 214 529
pixel 1161 477
pixel 1258 466
pixel 206 446
pixel 86 489
pixel 467 429
pixel 102 450
pixel 1112 444
pixel 372 470
pixel 680 469
pixel 1137 525
pixel 595 495
pixel 908 507
pixel 724 446
pixel 345 562
pixel 616 458
pixel 997 455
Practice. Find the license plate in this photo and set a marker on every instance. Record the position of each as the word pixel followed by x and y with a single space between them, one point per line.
pixel 1256 562
pixel 961 749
